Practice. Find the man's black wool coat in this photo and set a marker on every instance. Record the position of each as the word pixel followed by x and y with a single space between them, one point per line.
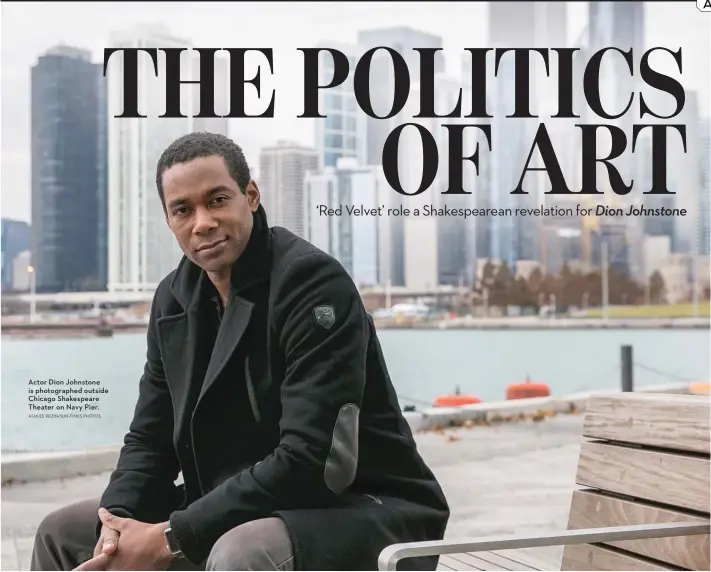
pixel 292 414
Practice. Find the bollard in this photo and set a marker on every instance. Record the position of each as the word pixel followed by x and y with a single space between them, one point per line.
pixel 627 368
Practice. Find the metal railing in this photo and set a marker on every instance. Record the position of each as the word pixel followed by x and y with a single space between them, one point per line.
pixel 391 555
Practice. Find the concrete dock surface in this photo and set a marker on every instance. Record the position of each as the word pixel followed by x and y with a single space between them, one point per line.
pixel 511 478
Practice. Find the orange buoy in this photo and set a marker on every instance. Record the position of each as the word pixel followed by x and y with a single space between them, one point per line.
pixel 527 389
pixel 455 400
pixel 700 388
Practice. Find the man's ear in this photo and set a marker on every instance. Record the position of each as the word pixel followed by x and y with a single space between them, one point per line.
pixel 253 195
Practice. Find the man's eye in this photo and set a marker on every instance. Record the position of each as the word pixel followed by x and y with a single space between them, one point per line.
pixel 180 211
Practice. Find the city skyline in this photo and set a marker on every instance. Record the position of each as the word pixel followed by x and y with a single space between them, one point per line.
pixel 254 134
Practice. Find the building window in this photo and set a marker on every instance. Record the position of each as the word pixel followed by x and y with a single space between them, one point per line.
pixel 331 159
pixel 334 122
pixel 334 140
pixel 333 102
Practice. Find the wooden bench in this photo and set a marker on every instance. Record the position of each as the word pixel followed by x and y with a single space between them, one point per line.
pixel 643 504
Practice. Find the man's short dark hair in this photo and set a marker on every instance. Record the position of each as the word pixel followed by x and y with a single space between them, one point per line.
pixel 194 145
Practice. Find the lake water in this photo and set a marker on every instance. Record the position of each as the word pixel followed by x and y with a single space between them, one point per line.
pixel 422 363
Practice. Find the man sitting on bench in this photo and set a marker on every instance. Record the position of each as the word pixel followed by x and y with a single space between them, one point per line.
pixel 265 384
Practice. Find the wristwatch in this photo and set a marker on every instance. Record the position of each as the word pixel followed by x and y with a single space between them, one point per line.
pixel 172 543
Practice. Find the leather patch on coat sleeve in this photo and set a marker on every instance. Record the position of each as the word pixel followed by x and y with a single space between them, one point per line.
pixel 325 316
pixel 342 461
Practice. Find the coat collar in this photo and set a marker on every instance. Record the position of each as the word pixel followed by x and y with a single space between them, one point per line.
pixel 190 282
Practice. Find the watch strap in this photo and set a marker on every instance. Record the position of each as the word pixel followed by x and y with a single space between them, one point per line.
pixel 172 543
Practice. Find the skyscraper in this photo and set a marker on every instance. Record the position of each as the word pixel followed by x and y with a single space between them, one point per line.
pixel 382 79
pixel 527 24
pixel 222 93
pixel 382 85
pixel 342 133
pixel 437 249
pixel 652 225
pixel 282 169
pixel 142 249
pixel 684 177
pixel 518 25
pixel 456 235
pixel 619 25
pixel 68 184
pixel 359 242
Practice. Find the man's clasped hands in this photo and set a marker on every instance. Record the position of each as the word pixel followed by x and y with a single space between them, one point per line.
pixel 128 544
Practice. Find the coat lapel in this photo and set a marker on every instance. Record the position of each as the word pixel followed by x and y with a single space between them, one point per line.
pixel 178 336
pixel 234 324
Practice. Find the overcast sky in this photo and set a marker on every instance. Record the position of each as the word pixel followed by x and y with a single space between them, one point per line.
pixel 29 29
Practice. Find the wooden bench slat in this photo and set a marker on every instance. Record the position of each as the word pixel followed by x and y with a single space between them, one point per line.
pixel 488 560
pixel 443 564
pixel 535 558
pixel 520 560
pixel 506 562
pixel 477 561
pixel 594 557
pixel 678 422
pixel 454 563
pixel 591 509
pixel 668 478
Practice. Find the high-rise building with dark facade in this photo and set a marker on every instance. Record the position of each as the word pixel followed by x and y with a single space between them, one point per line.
pixel 68 236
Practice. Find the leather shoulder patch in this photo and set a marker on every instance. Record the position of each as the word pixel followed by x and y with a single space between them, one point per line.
pixel 325 316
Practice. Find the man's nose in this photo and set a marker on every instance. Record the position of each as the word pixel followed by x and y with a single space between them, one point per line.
pixel 204 221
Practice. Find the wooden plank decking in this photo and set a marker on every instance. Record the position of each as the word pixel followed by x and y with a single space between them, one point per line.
pixel 522 560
